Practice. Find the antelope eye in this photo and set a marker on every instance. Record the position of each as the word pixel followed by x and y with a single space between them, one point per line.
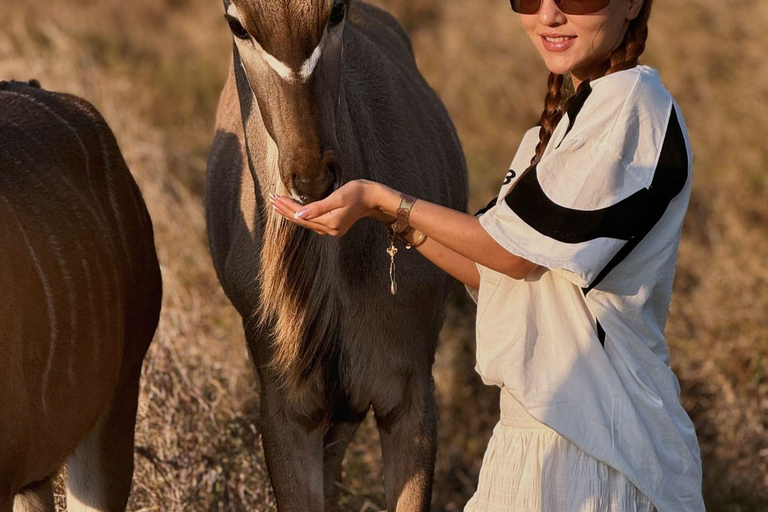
pixel 237 28
pixel 337 13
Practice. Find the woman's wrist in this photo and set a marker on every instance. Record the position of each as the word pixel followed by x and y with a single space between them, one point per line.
pixel 384 199
pixel 378 199
pixel 382 203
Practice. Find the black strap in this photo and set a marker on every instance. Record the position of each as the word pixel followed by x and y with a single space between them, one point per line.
pixel 600 333
pixel 575 105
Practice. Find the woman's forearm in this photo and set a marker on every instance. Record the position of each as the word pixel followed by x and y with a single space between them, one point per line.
pixel 458 266
pixel 458 232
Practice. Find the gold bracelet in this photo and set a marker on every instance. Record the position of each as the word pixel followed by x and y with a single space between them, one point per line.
pixel 421 240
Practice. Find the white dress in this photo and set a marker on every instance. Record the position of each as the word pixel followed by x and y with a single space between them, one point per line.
pixel 591 414
pixel 528 467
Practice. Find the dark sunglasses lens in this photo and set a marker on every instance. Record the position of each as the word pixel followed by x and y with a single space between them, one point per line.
pixel 526 6
pixel 567 6
pixel 582 6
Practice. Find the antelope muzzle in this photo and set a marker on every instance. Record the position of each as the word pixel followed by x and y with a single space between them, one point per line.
pixel 311 177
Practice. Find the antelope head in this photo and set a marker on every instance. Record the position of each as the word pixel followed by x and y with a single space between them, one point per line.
pixel 290 54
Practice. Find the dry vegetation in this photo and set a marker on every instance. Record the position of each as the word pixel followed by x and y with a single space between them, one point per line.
pixel 154 69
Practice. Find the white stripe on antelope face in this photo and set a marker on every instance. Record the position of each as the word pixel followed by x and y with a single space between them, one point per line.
pixel 282 69
pixel 311 63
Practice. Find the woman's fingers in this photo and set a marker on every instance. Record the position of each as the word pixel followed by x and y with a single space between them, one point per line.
pixel 284 208
pixel 319 208
pixel 320 230
pixel 287 203
pixel 304 212
pixel 328 218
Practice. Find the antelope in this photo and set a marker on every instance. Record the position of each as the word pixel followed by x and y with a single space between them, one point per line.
pixel 321 92
pixel 80 303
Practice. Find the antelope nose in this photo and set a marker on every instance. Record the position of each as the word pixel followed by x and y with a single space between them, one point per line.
pixel 313 188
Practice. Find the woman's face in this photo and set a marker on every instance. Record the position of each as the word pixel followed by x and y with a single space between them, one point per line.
pixel 573 44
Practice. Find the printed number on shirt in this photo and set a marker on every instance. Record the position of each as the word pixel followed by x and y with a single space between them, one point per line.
pixel 510 176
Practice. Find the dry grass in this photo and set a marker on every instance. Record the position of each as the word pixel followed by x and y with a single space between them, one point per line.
pixel 154 69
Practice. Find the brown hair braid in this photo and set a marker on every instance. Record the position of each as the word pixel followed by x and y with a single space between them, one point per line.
pixel 622 58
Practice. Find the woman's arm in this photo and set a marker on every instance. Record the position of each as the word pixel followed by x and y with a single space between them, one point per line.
pixel 449 230
pixel 458 266
pixel 456 231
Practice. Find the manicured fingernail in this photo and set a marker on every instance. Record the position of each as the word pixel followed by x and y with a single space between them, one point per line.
pixel 301 214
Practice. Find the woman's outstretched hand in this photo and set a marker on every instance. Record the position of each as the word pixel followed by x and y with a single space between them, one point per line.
pixel 335 214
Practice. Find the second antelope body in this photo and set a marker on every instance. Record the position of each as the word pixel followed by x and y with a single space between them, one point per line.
pixel 80 293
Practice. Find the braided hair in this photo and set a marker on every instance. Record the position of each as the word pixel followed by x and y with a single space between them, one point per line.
pixel 622 58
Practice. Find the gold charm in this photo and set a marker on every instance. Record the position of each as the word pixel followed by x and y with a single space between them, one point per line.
pixel 392 251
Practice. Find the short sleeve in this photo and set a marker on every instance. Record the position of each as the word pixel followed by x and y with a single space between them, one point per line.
pixel 585 206
pixel 572 213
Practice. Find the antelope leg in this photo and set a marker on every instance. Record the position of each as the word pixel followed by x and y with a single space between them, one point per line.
pixel 100 470
pixel 36 498
pixel 335 443
pixel 294 454
pixel 409 445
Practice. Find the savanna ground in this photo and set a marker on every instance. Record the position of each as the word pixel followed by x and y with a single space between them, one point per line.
pixel 155 67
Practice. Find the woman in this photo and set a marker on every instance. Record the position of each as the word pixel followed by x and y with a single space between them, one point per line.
pixel 573 263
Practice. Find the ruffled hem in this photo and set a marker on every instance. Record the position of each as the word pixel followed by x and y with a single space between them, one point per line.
pixel 529 467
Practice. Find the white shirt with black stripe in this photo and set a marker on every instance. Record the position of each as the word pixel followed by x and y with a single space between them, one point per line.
pixel 580 342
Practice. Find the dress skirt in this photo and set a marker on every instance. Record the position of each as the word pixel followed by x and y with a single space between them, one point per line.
pixel 528 467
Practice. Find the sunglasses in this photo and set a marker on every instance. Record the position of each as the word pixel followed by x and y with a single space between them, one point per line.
pixel 566 6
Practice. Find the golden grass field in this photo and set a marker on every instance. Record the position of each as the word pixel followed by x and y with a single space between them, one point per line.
pixel 154 68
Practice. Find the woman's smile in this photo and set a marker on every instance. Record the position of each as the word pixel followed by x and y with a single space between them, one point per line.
pixel 557 42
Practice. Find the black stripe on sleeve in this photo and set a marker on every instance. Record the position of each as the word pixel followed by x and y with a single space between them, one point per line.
pixel 668 181
pixel 529 201
pixel 487 207
pixel 624 220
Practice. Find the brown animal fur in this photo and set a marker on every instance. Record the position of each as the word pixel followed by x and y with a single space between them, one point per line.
pixel 80 303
